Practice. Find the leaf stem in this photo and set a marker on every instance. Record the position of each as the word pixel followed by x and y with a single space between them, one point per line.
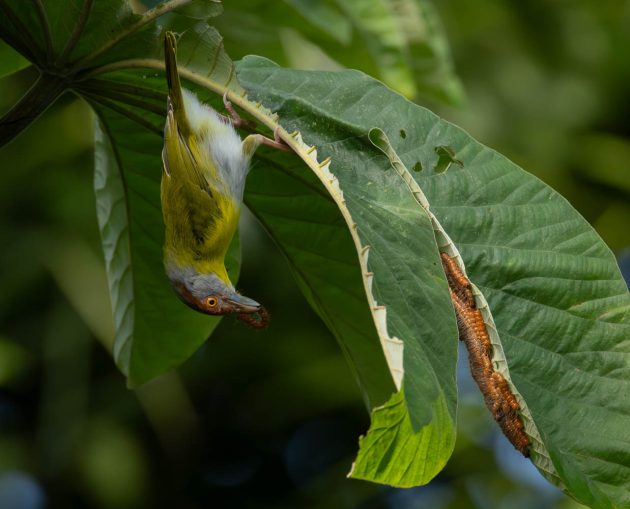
pixel 146 18
pixel 124 88
pixel 39 97
pixel 121 65
pixel 158 109
pixel 43 19
pixel 91 97
pixel 78 30
pixel 152 63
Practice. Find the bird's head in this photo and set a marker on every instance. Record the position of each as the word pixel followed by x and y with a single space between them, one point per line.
pixel 210 294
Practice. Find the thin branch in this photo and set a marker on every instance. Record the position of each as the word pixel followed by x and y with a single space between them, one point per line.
pixel 146 18
pixel 43 20
pixel 78 30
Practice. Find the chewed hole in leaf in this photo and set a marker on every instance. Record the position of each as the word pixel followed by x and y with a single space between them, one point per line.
pixel 403 134
pixel 446 157
pixel 417 167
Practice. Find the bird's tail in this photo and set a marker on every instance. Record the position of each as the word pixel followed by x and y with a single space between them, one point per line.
pixel 176 100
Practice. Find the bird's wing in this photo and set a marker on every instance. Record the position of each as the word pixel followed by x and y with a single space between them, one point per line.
pixel 201 216
pixel 175 97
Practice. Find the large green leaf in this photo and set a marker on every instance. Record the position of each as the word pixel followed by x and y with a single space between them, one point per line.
pixel 405 288
pixel 409 441
pixel 305 223
pixel 561 308
pixel 408 44
pixel 154 331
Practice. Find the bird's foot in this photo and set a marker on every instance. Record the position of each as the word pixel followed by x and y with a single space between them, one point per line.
pixel 277 142
pixel 235 118
pixel 248 125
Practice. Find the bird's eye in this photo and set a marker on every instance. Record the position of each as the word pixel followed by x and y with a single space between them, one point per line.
pixel 212 302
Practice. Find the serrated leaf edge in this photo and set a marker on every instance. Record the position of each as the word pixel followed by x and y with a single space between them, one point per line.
pixel 392 346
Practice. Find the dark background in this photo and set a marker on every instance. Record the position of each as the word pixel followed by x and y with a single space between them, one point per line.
pixel 271 418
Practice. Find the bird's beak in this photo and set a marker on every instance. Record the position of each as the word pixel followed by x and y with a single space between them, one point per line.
pixel 242 304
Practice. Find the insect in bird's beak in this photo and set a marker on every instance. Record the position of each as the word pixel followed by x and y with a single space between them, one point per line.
pixel 258 319
pixel 241 304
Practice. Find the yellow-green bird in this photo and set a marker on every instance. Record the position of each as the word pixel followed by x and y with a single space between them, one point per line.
pixel 205 166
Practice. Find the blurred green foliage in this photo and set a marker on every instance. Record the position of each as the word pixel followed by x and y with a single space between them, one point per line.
pixel 270 419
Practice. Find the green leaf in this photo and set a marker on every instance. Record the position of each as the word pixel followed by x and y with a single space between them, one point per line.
pixel 392 453
pixel 404 281
pixel 10 60
pixel 295 209
pixel 23 26
pixel 155 332
pixel 104 32
pixel 384 41
pixel 326 16
pixel 429 54
pixel 552 287
pixel 408 44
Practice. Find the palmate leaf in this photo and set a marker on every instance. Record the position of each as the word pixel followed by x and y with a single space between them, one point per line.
pixel 554 292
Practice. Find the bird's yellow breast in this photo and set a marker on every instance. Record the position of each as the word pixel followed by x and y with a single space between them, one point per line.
pixel 198 229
